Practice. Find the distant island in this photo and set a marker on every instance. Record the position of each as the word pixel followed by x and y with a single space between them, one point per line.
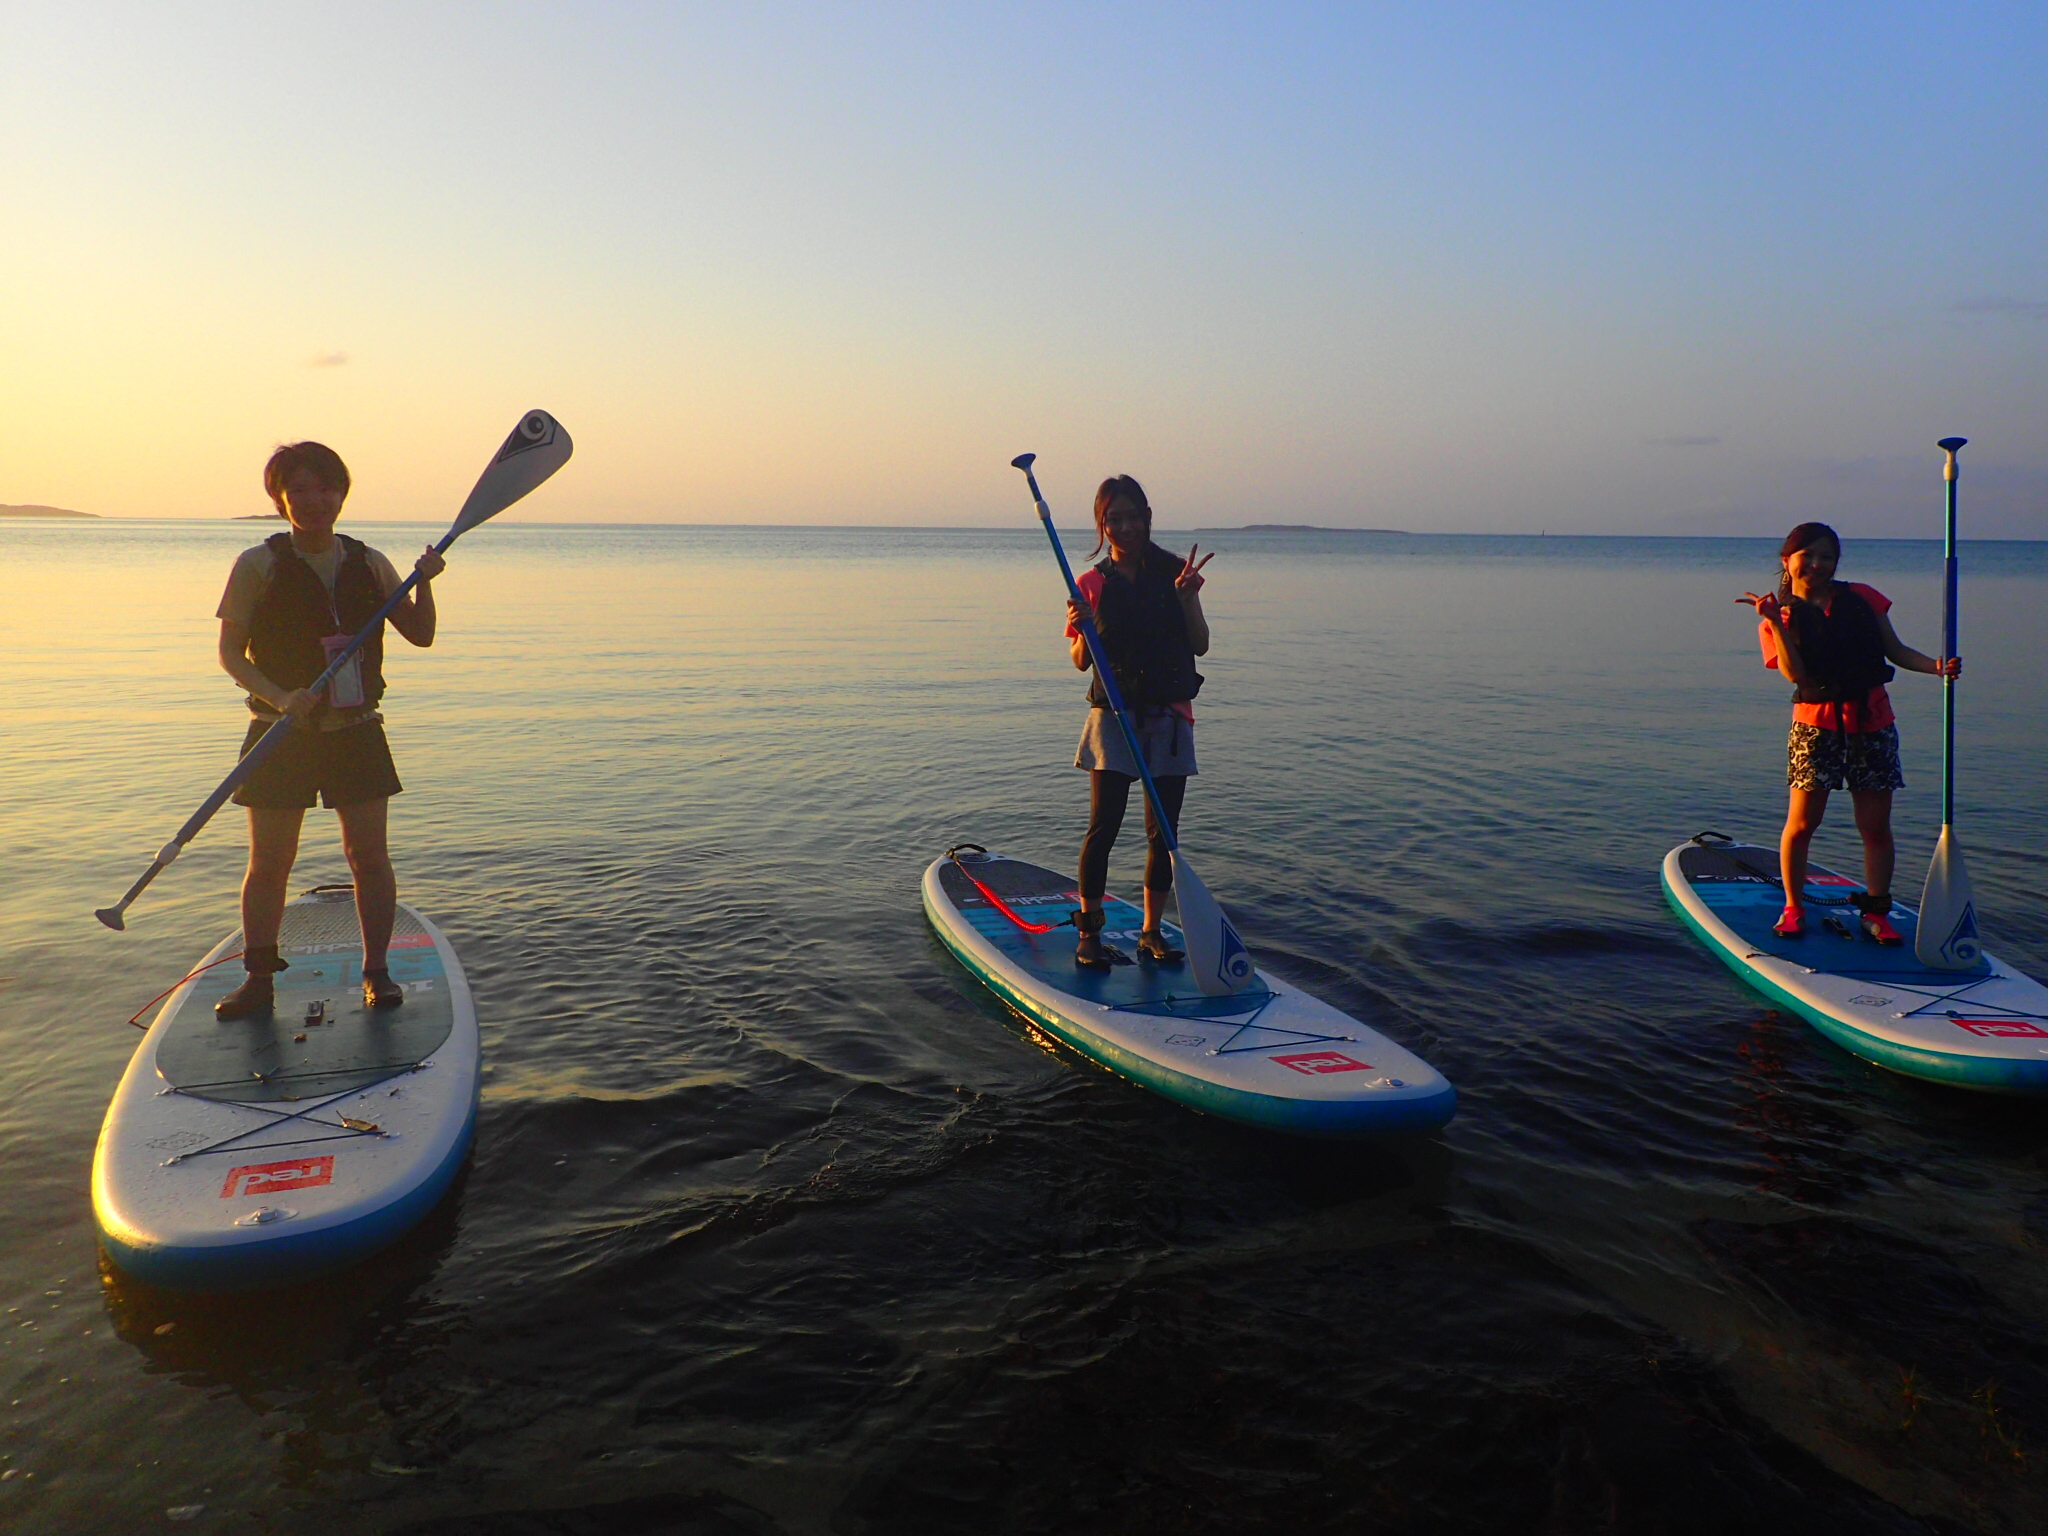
pixel 257 517
pixel 6 511
pixel 1302 528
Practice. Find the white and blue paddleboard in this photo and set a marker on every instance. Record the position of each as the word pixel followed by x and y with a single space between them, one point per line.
pixel 1985 1027
pixel 1269 1056
pixel 257 1151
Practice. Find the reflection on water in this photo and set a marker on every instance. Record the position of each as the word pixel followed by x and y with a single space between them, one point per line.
pixel 777 1223
pixel 319 1353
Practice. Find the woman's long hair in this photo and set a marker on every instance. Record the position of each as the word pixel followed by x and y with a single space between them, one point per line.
pixel 1117 488
pixel 1805 536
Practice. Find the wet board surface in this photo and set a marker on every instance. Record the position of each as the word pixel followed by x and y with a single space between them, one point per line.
pixel 1271 1055
pixel 249 1152
pixel 1986 1027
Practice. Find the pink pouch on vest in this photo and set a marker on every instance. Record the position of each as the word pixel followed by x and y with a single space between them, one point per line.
pixel 345 688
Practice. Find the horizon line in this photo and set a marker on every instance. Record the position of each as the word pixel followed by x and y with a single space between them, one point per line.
pixel 1465 533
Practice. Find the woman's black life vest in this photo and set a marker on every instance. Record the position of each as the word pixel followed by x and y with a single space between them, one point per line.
pixel 1841 648
pixel 1145 634
pixel 294 614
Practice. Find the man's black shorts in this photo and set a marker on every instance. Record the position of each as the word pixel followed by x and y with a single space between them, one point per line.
pixel 344 767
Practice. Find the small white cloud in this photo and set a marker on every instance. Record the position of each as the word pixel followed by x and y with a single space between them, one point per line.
pixel 328 360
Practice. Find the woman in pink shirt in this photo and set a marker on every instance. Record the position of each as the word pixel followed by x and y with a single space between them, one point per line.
pixel 1834 640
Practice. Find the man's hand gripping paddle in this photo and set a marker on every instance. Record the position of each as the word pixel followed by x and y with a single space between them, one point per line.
pixel 1218 957
pixel 536 449
pixel 1946 938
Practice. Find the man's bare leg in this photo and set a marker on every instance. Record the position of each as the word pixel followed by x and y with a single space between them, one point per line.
pixel 369 860
pixel 273 849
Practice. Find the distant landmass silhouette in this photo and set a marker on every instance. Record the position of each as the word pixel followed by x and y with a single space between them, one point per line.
pixel 257 517
pixel 6 511
pixel 1302 528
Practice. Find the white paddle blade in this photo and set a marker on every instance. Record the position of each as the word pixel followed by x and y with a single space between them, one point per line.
pixel 1947 936
pixel 536 449
pixel 1221 963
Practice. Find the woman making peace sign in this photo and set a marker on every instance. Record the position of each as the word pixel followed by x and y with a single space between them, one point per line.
pixel 1147 608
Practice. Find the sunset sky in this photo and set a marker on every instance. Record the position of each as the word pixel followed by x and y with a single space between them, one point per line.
pixel 1683 269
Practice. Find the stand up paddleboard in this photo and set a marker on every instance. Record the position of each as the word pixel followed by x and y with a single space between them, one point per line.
pixel 1269 1055
pixel 1985 1027
pixel 256 1151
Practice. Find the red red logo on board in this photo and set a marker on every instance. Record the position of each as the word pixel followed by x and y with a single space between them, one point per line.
pixel 268 1178
pixel 1314 1062
pixel 2002 1027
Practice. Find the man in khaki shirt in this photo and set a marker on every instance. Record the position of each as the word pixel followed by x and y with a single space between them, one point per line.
pixel 291 603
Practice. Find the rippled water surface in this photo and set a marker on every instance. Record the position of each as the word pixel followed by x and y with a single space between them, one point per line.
pixel 776 1223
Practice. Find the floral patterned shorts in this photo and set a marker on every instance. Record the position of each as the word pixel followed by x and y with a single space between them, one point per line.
pixel 1819 759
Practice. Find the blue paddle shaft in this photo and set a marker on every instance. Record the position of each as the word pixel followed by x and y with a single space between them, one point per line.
pixel 1102 667
pixel 1948 642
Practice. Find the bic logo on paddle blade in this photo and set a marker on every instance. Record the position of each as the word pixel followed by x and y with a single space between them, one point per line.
pixel 2001 1027
pixel 1313 1062
pixel 268 1178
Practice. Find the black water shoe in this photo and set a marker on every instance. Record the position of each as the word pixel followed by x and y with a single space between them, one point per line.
pixel 1152 946
pixel 1091 954
pixel 380 991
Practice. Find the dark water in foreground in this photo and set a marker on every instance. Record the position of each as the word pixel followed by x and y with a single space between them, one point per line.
pixel 776 1224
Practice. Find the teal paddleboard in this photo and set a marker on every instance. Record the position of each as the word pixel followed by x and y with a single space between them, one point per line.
pixel 1985 1027
pixel 1269 1056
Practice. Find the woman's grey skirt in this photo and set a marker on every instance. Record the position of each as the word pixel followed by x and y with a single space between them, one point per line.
pixel 1168 742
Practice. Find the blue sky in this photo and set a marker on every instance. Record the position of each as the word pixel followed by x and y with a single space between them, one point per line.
pixel 1448 267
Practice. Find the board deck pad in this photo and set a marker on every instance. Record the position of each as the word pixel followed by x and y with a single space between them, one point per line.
pixel 256 1060
pixel 1747 894
pixel 1044 896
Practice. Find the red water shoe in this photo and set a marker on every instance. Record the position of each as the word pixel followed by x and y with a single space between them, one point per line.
pixel 1879 927
pixel 1791 924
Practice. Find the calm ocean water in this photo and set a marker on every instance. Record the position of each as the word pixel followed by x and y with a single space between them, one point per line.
pixel 776 1224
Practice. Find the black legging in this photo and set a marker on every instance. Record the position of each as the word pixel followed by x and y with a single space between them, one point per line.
pixel 1108 795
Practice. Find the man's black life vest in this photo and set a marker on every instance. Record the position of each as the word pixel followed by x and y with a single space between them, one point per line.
pixel 1841 648
pixel 294 614
pixel 1145 633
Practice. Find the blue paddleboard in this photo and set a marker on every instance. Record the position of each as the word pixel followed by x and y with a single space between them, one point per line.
pixel 253 1152
pixel 1985 1027
pixel 1270 1056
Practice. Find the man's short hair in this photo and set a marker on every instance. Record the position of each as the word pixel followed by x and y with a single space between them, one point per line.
pixel 289 459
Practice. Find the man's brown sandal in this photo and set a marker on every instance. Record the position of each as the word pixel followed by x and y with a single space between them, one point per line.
pixel 380 991
pixel 257 993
